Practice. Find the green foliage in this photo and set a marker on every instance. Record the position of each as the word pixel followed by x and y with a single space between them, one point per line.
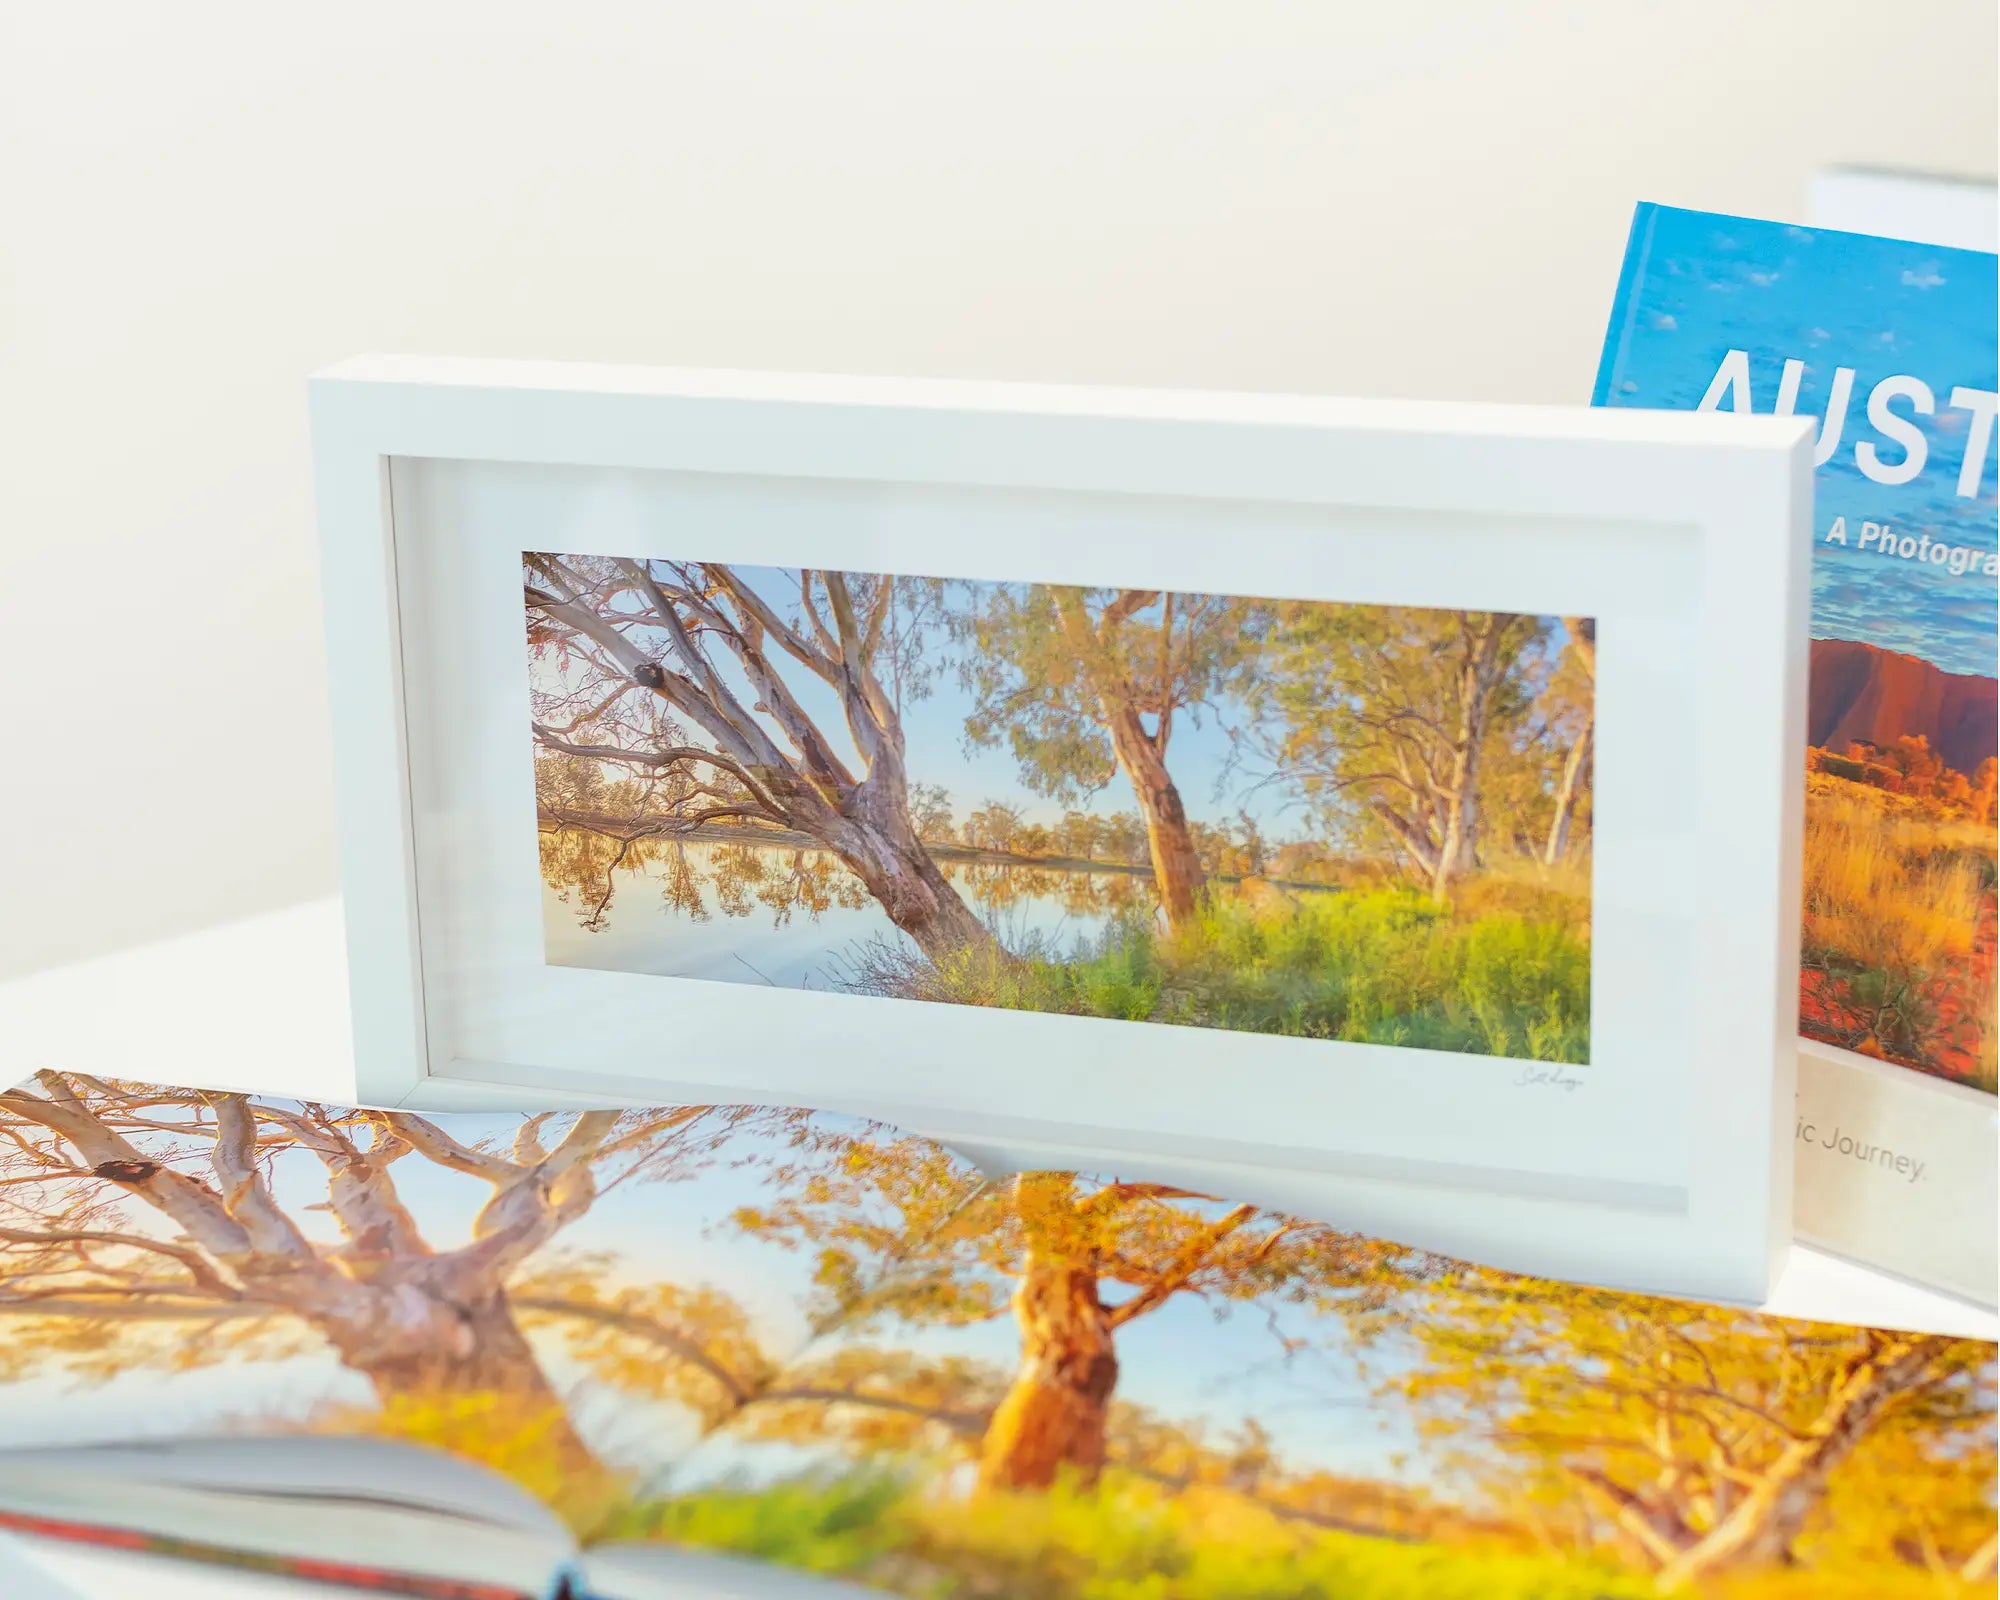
pixel 1516 975
pixel 1383 966
pixel 1369 713
pixel 1040 661
pixel 837 1526
pixel 1605 1419
pixel 1123 982
pixel 1124 1540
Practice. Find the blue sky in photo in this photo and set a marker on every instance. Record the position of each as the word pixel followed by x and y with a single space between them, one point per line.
pixel 1698 285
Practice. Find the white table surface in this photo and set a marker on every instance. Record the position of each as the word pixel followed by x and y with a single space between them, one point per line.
pixel 261 1005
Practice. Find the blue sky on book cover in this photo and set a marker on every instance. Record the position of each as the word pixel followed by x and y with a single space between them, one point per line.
pixel 1699 286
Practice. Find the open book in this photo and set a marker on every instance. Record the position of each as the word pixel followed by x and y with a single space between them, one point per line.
pixel 739 1351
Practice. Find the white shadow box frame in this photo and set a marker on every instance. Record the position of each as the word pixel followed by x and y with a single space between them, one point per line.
pixel 1664 1164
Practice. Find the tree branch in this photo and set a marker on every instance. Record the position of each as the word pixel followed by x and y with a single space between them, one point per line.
pixel 776 698
pixel 1188 1260
pixel 245 1195
pixel 1660 1533
pixel 197 1208
pixel 869 717
pixel 740 734
pixel 815 661
pixel 581 1143
pixel 1116 1194
pixel 204 1275
pixel 1129 604
pixel 969 1423
pixel 646 1329
pixel 434 1144
pixel 661 756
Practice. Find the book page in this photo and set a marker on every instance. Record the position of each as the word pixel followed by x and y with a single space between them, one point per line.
pixel 1086 1384
pixel 568 1300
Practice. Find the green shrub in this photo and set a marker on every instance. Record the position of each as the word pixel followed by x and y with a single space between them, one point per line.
pixel 826 1526
pixel 1505 973
pixel 1124 1540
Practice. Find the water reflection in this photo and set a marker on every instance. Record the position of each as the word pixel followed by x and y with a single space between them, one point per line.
pixel 781 914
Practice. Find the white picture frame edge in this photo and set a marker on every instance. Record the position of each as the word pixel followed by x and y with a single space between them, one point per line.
pixel 1744 482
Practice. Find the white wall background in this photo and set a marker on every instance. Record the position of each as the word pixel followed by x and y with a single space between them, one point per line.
pixel 201 202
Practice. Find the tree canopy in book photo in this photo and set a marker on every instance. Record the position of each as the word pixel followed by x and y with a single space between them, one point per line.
pixel 1319 820
pixel 822 1342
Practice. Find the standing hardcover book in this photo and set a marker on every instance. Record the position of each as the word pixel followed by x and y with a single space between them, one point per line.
pixel 1891 346
pixel 748 1353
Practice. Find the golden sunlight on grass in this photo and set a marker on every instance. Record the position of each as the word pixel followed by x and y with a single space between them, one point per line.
pixel 1883 887
pixel 1899 897
pixel 1126 1540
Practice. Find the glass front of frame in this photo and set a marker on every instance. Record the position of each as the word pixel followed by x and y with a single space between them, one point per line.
pixel 1302 818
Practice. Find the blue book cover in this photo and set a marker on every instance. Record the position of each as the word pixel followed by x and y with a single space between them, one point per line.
pixel 1893 348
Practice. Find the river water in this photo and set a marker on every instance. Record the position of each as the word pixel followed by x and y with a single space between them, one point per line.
pixel 796 918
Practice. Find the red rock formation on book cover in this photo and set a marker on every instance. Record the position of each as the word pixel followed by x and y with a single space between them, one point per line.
pixel 1862 694
pixel 1900 935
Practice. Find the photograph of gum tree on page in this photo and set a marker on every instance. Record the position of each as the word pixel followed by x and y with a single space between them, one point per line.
pixel 821 1342
pixel 1311 819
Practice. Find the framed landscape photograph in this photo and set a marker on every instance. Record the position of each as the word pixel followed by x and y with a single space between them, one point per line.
pixel 1301 818
pixel 1381 809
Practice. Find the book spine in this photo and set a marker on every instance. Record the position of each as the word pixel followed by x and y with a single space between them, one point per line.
pixel 1624 304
